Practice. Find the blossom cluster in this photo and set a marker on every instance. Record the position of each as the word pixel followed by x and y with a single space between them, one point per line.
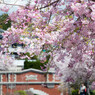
pixel 64 29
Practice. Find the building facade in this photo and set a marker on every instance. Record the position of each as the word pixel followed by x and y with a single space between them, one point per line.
pixel 12 81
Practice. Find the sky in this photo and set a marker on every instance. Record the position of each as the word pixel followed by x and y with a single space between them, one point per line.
pixel 18 2
pixel 13 8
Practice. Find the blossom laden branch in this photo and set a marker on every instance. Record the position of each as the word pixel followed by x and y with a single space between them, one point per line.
pixel 50 4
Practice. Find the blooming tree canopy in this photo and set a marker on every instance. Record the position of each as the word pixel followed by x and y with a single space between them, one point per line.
pixel 6 62
pixel 63 29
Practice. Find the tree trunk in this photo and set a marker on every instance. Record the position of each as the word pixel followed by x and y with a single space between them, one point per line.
pixel 69 89
pixel 88 90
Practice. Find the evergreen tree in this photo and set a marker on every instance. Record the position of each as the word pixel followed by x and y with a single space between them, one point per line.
pixel 4 21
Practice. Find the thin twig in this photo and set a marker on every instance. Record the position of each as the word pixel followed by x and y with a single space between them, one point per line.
pixel 49 4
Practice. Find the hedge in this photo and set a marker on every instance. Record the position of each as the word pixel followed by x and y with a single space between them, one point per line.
pixel 35 64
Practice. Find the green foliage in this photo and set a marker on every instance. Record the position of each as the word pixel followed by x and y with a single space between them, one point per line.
pixel 21 92
pixel 3 23
pixel 92 92
pixel 75 92
pixel 75 85
pixel 35 64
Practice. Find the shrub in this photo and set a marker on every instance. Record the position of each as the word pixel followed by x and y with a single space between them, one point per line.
pixel 35 64
pixel 92 92
pixel 29 93
pixel 75 92
pixel 20 93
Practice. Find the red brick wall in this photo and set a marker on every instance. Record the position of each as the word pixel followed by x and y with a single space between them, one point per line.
pixel 21 78
pixel 50 91
pixel 50 77
pixel 5 78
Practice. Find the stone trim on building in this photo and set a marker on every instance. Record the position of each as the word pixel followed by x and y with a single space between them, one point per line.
pixel 14 77
pixel 5 83
pixel 28 70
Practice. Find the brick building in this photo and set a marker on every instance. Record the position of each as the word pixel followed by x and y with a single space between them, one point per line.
pixel 11 81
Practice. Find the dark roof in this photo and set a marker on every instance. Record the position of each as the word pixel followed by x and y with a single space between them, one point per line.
pixel 1 30
pixel 1 36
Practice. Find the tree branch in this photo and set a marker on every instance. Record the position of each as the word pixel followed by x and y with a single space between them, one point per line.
pixel 13 4
pixel 49 4
pixel 93 0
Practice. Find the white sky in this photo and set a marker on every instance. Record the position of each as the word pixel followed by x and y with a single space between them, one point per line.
pixel 18 2
pixel 14 8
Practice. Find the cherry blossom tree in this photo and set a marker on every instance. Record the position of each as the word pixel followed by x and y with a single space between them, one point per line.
pixel 6 62
pixel 63 29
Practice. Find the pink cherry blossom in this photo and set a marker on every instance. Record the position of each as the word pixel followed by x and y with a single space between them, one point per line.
pixel 65 33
